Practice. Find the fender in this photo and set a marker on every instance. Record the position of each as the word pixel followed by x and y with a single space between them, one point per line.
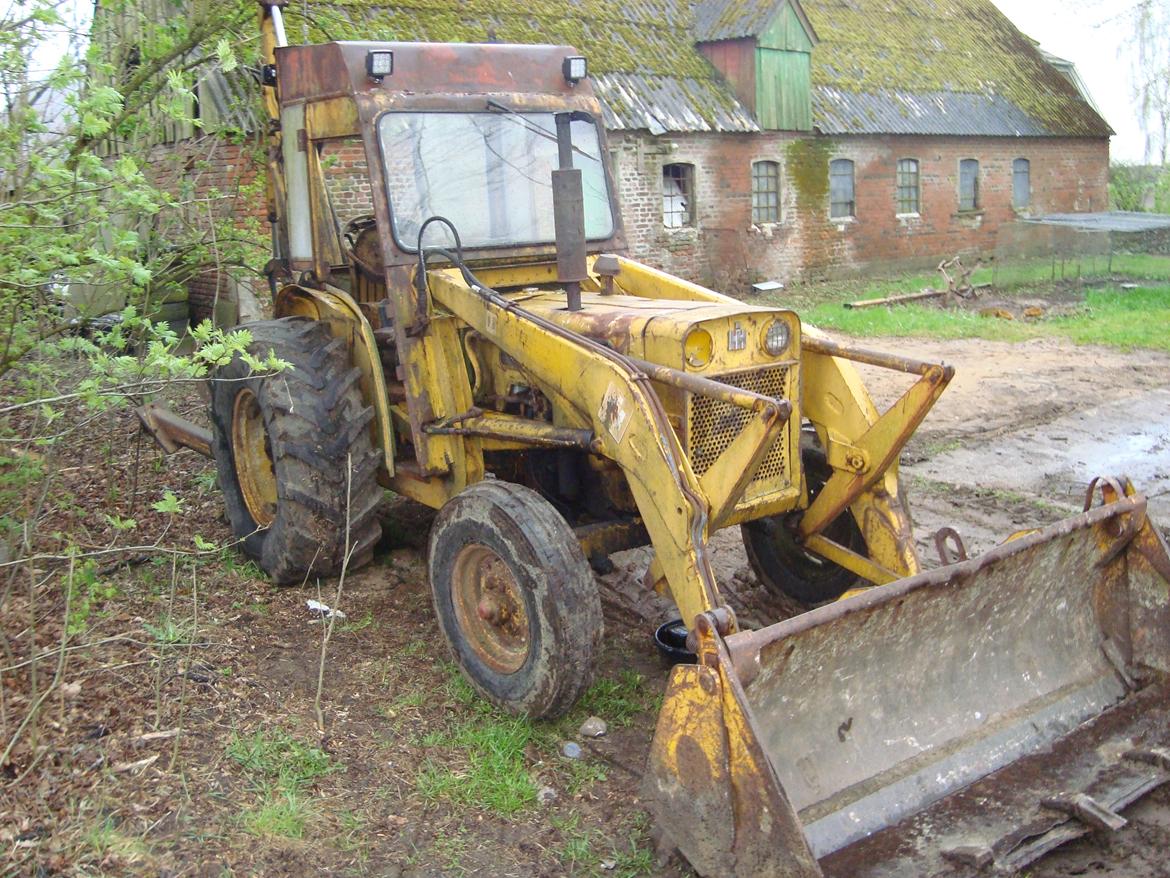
pixel 345 320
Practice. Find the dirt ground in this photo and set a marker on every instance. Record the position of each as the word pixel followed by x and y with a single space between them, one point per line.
pixel 140 765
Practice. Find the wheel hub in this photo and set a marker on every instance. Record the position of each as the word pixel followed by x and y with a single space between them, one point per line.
pixel 253 458
pixel 490 609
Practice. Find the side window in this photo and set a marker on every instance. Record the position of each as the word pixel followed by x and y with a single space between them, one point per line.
pixel 678 196
pixel 841 202
pixel 907 186
pixel 968 184
pixel 1021 183
pixel 765 192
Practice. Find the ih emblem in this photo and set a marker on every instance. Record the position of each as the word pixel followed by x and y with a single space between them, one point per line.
pixel 736 338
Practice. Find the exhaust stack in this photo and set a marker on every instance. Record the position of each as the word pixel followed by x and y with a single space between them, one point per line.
pixel 569 215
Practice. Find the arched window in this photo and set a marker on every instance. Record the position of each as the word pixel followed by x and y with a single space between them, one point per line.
pixel 765 192
pixel 841 201
pixel 1021 183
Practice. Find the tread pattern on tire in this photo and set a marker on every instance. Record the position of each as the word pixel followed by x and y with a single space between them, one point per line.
pixel 517 521
pixel 316 420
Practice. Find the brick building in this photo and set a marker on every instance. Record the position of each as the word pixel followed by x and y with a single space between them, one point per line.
pixel 779 139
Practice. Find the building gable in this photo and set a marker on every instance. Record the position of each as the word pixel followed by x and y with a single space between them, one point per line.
pixel 784 71
pixel 789 30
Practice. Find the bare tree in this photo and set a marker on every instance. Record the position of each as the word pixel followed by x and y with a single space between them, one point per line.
pixel 1151 63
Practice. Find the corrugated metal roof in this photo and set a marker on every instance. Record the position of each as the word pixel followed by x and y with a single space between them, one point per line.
pixel 724 20
pixel 661 103
pixel 842 112
pixel 881 54
pixel 228 101
pixel 734 19
pixel 932 67
pixel 1110 221
pixel 642 54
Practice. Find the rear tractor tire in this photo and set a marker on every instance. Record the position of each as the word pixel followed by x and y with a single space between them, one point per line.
pixel 784 567
pixel 294 454
pixel 515 598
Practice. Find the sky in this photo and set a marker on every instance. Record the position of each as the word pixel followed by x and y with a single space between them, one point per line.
pixel 1095 35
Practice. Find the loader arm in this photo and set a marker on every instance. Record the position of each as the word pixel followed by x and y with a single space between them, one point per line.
pixel 613 395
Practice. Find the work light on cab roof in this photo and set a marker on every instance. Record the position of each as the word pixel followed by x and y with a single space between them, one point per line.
pixel 379 64
pixel 575 68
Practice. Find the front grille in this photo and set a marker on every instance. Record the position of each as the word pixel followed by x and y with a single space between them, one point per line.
pixel 712 425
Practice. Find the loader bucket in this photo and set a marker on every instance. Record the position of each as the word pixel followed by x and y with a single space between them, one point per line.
pixel 971 717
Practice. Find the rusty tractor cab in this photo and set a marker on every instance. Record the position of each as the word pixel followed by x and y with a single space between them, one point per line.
pixel 479 344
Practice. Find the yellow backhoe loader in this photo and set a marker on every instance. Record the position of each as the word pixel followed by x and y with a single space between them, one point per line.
pixel 477 344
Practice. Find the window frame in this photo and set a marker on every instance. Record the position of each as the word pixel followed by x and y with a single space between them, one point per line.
pixel 687 195
pixel 852 202
pixel 773 176
pixel 1027 165
pixel 408 247
pixel 899 187
pixel 976 204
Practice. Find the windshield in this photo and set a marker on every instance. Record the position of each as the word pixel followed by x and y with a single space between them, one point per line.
pixel 489 173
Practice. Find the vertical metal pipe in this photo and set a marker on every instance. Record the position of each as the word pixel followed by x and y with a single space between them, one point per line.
pixel 569 215
pixel 278 26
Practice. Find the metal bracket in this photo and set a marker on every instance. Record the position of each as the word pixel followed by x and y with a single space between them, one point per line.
pixel 846 456
pixel 1088 810
pixel 949 544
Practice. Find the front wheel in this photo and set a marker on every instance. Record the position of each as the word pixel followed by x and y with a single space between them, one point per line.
pixel 515 598
pixel 784 567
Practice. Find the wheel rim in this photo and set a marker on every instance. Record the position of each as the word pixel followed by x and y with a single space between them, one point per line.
pixel 490 609
pixel 253 459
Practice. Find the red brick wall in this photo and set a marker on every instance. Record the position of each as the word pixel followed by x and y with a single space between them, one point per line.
pixel 726 250
pixel 347 180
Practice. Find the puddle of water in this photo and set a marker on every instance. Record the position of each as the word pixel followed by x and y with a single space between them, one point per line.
pixel 1056 461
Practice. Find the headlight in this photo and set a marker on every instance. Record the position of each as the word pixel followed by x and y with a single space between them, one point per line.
pixel 776 338
pixel 697 348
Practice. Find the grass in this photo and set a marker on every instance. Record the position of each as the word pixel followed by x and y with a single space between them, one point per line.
pixel 276 755
pixel 1124 319
pixel 282 812
pixel 282 769
pixel 168 631
pixel 1109 315
pixel 492 775
pixel 105 840
pixel 588 850
pixel 485 763
pixel 616 701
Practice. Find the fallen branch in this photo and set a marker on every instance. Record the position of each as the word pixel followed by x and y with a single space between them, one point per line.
pixel 894 300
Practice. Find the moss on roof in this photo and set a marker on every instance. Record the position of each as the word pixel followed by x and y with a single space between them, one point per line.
pixel 926 46
pixel 878 47
pixel 619 36
pixel 723 20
